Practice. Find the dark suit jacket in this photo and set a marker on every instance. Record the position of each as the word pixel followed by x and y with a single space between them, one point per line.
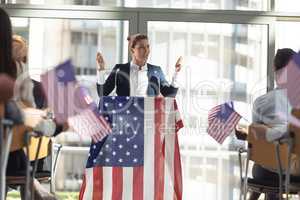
pixel 119 78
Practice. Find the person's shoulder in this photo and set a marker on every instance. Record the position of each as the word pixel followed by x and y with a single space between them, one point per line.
pixel 265 99
pixel 120 65
pixel 36 83
pixel 154 66
pixel 262 97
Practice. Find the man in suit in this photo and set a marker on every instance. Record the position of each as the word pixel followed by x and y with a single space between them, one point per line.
pixel 136 78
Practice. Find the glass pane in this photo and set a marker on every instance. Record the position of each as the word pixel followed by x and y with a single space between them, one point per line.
pixel 52 41
pixel 190 4
pixel 287 5
pixel 221 62
pixel 287 34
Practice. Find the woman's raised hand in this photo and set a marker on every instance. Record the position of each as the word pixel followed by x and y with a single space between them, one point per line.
pixel 178 64
pixel 100 62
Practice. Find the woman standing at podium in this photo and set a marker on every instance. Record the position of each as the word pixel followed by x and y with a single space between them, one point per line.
pixel 137 77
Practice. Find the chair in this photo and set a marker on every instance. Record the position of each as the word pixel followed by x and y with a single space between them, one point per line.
pixel 10 128
pixel 5 140
pixel 263 153
pixel 275 155
pixel 36 147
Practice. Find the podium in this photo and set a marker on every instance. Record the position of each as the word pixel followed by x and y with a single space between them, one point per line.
pixel 142 152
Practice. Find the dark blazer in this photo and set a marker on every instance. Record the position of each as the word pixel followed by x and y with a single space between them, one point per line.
pixel 39 95
pixel 119 78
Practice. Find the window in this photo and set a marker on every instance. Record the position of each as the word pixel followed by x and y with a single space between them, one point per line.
pixel 287 5
pixel 287 34
pixel 78 40
pixel 197 48
pixel 218 67
pixel 190 4
pixel 223 61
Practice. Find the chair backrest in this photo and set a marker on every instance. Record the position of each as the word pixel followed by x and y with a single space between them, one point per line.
pixel 18 132
pixel 1 110
pixel 31 119
pixel 296 132
pixel 264 153
pixel 18 140
pixel 45 148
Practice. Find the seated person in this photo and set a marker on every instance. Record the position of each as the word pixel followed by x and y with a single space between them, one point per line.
pixel 29 93
pixel 270 114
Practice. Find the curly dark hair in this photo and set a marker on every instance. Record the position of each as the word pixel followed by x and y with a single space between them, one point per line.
pixel 282 58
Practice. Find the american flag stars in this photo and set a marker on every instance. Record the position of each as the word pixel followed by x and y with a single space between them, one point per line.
pixel 127 169
pixel 124 145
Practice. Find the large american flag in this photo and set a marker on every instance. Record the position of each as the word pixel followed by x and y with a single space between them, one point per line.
pixel 289 79
pixel 221 121
pixel 140 160
pixel 71 102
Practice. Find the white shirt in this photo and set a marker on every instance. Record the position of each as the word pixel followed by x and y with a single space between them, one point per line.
pixel 272 109
pixel 138 79
pixel 24 85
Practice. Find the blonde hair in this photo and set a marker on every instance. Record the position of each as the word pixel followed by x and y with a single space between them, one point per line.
pixel 19 49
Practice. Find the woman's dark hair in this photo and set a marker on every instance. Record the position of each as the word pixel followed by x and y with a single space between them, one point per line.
pixel 282 58
pixel 135 38
pixel 7 65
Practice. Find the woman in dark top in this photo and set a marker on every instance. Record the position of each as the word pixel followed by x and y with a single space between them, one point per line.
pixel 8 67
pixel 17 160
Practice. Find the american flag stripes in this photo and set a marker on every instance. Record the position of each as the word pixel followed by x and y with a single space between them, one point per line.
pixel 221 121
pixel 140 159
pixel 63 93
pixel 289 79
pixel 72 102
pixel 90 123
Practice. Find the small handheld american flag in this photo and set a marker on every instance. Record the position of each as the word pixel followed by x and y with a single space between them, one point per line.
pixel 289 80
pixel 71 102
pixel 221 121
